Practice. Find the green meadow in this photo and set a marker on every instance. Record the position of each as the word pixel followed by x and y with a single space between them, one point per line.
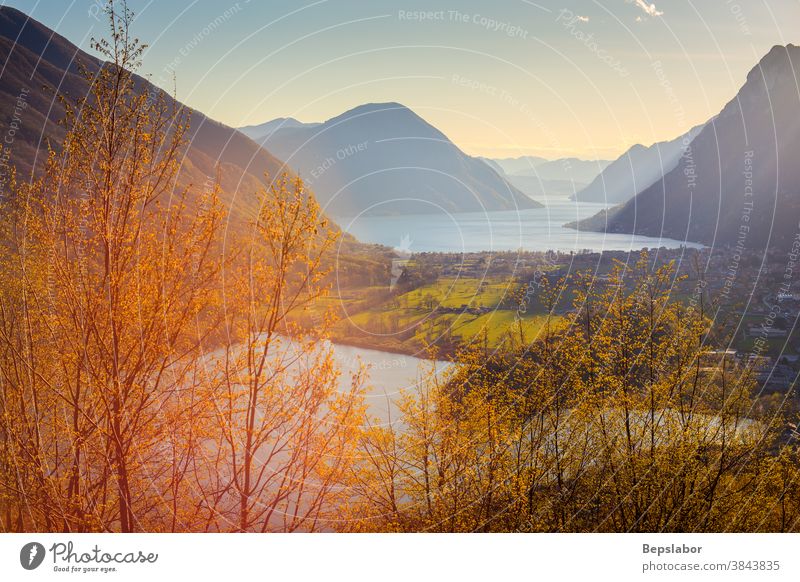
pixel 449 312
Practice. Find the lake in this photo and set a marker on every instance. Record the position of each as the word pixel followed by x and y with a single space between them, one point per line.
pixel 538 229
pixel 390 375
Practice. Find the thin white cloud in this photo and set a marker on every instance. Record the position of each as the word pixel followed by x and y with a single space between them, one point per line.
pixel 649 9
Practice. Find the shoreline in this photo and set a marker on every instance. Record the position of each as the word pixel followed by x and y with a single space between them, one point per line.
pixel 395 348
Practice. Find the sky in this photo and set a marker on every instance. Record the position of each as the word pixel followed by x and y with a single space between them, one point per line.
pixel 507 78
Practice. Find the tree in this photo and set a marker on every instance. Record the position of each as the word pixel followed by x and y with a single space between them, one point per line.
pixel 112 270
pixel 607 421
pixel 150 377
pixel 284 429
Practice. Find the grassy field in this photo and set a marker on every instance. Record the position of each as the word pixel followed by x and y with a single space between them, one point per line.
pixel 448 292
pixel 449 312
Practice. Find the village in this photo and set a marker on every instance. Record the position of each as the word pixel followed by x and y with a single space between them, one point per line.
pixel 750 296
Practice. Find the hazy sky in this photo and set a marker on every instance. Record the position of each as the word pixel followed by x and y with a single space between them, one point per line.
pixel 502 78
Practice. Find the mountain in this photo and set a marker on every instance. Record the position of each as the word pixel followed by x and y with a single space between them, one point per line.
pixel 540 189
pixel 561 169
pixel 521 165
pixel 540 178
pixel 264 130
pixel 382 158
pixel 493 165
pixel 739 182
pixel 568 169
pixel 38 64
pixel 636 169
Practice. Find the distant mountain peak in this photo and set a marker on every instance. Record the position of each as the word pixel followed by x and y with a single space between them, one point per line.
pixel 636 169
pixel 778 54
pixel 264 130
pixel 391 109
pixel 374 107
pixel 775 64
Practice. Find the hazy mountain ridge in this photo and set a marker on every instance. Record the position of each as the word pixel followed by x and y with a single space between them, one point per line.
pixel 540 189
pixel 382 158
pixel 264 130
pixel 636 169
pixel 563 169
pixel 512 166
pixel 540 178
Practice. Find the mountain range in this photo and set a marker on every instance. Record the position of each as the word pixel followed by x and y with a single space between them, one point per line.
pixel 738 184
pixel 566 169
pixel 635 170
pixel 735 183
pixel 541 178
pixel 384 159
pixel 264 130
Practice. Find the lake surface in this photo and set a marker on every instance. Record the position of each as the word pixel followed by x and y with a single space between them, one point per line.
pixel 389 376
pixel 538 229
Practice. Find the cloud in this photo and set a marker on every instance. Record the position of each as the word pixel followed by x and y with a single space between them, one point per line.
pixel 649 9
pixel 583 18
